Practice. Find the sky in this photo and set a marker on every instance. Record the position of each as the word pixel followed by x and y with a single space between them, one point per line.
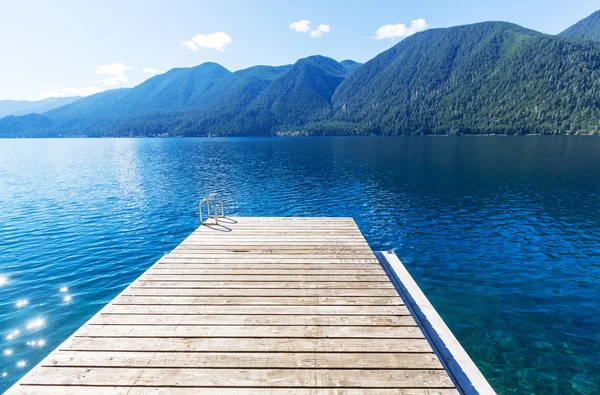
pixel 66 48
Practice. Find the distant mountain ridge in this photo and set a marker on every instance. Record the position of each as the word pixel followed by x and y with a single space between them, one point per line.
pixel 484 78
pixel 23 107
pixel 586 29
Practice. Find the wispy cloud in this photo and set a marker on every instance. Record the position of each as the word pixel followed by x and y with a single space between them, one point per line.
pixel 115 72
pixel 63 91
pixel 320 30
pixel 302 26
pixel 150 70
pixel 400 30
pixel 217 41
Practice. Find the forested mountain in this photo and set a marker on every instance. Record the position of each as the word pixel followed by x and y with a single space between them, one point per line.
pixel 175 90
pixel 23 107
pixel 586 29
pixel 492 77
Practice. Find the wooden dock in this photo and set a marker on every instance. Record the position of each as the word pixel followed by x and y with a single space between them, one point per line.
pixel 254 306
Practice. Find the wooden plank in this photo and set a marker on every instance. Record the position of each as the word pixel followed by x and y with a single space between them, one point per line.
pixel 189 255
pixel 243 360
pixel 274 248
pixel 224 243
pixel 107 390
pixel 180 283
pixel 289 267
pixel 261 300
pixel 104 390
pixel 249 320
pixel 265 278
pixel 290 263
pixel 266 271
pixel 270 260
pixel 198 331
pixel 281 378
pixel 158 291
pixel 286 345
pixel 115 308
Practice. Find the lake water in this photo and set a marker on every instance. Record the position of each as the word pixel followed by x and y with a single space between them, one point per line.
pixel 501 233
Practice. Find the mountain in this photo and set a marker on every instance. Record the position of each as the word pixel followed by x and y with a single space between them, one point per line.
pixel 299 96
pixel 174 90
pixel 485 78
pixel 587 29
pixel 26 125
pixel 23 107
pixel 491 77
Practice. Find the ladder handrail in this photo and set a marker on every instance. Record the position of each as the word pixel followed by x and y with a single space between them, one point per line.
pixel 209 216
pixel 216 195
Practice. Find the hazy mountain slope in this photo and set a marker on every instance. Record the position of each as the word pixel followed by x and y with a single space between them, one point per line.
pixel 488 77
pixel 174 90
pixel 586 29
pixel 31 125
pixel 23 107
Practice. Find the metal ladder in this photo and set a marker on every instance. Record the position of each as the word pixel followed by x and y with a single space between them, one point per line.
pixel 209 201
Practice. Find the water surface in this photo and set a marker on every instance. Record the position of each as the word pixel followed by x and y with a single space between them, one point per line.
pixel 502 233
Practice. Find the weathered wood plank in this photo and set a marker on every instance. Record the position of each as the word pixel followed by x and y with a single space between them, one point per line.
pixel 180 283
pixel 105 390
pixel 248 320
pixel 281 378
pixel 175 254
pixel 283 292
pixel 234 259
pixel 243 360
pixel 262 300
pixel 290 268
pixel 115 308
pixel 286 345
pixel 265 278
pixel 198 331
pixel 266 271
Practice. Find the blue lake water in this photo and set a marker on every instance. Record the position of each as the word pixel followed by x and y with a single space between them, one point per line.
pixel 501 233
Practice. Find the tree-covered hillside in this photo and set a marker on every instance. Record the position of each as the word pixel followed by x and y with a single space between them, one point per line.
pixel 586 29
pixel 489 77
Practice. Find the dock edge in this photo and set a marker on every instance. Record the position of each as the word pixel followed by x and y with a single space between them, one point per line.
pixel 461 368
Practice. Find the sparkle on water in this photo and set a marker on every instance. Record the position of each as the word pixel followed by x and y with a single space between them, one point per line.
pixel 21 364
pixel 501 233
pixel 35 324
pixel 8 352
pixel 13 334
pixel 64 289
pixel 21 303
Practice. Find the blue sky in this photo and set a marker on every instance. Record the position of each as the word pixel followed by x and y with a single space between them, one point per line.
pixel 70 47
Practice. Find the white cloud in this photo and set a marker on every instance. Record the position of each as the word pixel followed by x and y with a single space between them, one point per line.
pixel 63 91
pixel 302 26
pixel 217 41
pixel 116 73
pixel 400 30
pixel 320 30
pixel 150 70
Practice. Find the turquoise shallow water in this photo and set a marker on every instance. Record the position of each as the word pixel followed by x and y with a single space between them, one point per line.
pixel 502 234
